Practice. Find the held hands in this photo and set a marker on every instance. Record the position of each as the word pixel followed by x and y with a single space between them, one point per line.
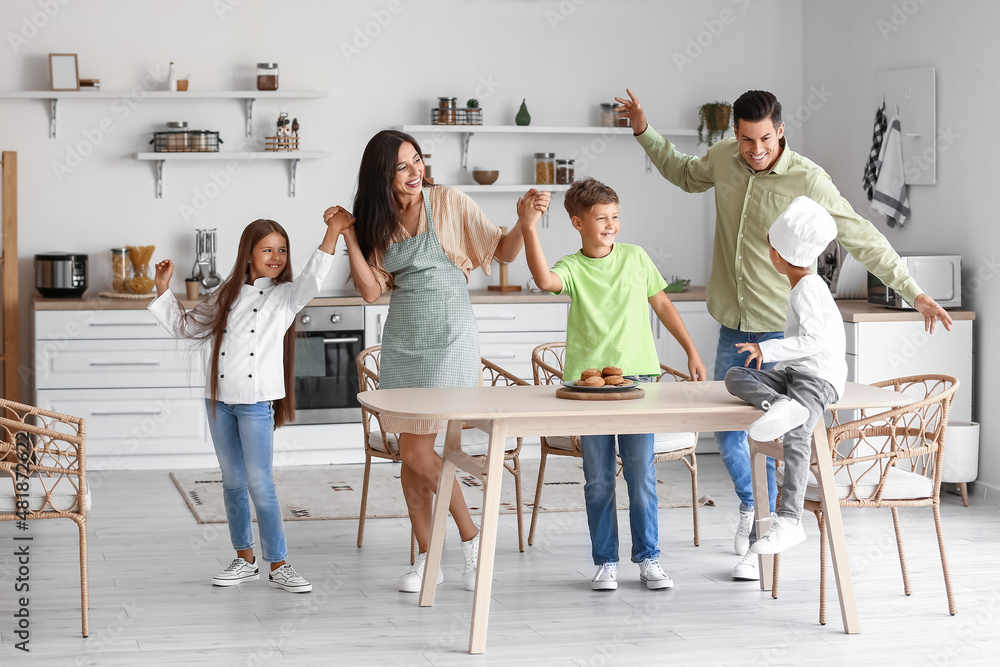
pixel 754 350
pixel 632 110
pixel 932 312
pixel 164 271
pixel 338 219
pixel 532 206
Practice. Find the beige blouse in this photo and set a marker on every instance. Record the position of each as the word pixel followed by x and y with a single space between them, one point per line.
pixel 467 236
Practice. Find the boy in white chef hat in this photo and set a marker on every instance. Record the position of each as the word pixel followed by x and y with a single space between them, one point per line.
pixel 812 369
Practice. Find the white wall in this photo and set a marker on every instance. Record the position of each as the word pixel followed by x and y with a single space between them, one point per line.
pixel 847 43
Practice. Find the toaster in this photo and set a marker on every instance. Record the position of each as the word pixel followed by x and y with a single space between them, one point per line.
pixel 938 276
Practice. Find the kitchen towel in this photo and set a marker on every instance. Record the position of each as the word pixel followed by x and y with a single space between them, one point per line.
pixel 890 197
pixel 874 155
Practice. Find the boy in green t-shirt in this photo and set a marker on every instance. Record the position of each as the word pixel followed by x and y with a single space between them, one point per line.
pixel 610 285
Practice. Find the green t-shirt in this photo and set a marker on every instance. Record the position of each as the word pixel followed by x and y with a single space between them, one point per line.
pixel 609 314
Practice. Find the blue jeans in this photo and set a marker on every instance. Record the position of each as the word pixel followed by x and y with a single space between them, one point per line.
pixel 243 436
pixel 600 467
pixel 733 445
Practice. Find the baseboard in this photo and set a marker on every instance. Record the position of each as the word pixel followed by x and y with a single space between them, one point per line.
pixel 989 493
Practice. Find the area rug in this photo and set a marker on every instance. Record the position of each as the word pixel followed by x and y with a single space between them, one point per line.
pixel 310 493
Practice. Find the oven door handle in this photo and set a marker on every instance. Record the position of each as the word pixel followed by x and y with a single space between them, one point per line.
pixel 349 339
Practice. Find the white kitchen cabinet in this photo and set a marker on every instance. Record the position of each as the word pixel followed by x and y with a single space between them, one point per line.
pixel 884 350
pixel 701 326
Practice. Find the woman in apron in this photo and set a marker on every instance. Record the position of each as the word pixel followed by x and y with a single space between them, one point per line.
pixel 421 242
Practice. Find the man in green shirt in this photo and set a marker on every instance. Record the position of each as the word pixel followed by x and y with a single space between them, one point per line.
pixel 756 176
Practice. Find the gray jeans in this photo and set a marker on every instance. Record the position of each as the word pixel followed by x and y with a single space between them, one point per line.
pixel 757 387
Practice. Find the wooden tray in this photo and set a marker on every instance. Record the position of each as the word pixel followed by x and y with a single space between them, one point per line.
pixel 629 394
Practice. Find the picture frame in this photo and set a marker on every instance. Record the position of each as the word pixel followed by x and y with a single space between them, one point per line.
pixel 64 73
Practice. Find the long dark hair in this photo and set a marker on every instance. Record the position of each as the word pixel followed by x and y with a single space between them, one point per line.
pixel 226 295
pixel 375 206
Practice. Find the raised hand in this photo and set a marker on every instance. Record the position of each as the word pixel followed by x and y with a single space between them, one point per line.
pixel 632 110
pixel 755 354
pixel 164 271
pixel 338 218
pixel 532 206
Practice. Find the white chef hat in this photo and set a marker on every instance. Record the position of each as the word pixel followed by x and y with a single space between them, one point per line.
pixel 802 231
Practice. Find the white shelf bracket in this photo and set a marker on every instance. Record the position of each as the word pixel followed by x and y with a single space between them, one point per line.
pixel 249 129
pixel 465 150
pixel 159 179
pixel 294 166
pixel 53 103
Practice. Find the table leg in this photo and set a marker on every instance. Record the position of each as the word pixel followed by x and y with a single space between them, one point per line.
pixel 439 519
pixel 835 530
pixel 762 508
pixel 492 481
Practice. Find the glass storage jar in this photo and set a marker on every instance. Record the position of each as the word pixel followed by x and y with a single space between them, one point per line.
pixel 607 115
pixel 447 110
pixel 620 121
pixel 545 168
pixel 178 138
pixel 267 76
pixel 120 273
pixel 426 159
pixel 564 171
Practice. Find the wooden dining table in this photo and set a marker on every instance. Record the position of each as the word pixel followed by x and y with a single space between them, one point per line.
pixel 518 411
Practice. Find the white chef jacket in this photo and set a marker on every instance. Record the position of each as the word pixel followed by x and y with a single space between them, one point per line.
pixel 814 341
pixel 251 357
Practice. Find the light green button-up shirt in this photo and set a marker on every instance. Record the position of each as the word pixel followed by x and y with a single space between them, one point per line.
pixel 745 292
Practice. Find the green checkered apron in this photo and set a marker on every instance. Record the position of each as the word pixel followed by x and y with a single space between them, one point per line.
pixel 430 338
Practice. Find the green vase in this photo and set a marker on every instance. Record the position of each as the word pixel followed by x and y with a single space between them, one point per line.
pixel 522 117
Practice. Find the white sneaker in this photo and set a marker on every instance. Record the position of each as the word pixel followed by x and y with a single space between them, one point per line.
pixel 651 574
pixel 287 578
pixel 237 572
pixel 410 582
pixel 781 417
pixel 470 551
pixel 784 533
pixel 742 540
pixel 746 569
pixel 606 578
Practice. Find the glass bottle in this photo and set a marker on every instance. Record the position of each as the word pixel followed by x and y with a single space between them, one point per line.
pixel 447 107
pixel 426 157
pixel 267 76
pixel 607 115
pixel 545 168
pixel 565 171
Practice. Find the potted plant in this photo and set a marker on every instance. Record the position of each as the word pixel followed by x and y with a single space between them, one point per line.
pixel 473 114
pixel 713 121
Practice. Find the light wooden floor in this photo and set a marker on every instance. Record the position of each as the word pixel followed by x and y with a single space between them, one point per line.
pixel 151 602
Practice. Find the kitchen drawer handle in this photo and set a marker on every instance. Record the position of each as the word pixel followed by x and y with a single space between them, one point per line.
pixel 349 339
pixel 126 412
pixel 502 356
pixel 496 317
pixel 124 363
pixel 124 324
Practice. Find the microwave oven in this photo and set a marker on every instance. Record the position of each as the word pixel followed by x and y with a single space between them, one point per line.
pixel 939 276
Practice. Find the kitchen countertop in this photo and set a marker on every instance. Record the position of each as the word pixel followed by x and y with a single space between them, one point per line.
pixel 853 310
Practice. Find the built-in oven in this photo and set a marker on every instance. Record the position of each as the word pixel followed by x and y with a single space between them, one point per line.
pixel 328 340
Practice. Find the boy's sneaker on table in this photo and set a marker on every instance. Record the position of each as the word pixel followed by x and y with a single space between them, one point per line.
pixel 784 533
pixel 287 578
pixel 651 574
pixel 746 569
pixel 606 578
pixel 410 582
pixel 781 417
pixel 237 572
pixel 742 541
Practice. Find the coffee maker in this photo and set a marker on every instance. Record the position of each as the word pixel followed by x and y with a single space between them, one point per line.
pixel 204 263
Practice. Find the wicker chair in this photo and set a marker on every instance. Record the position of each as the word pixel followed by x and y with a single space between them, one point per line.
pixel 547 364
pixel 50 448
pixel 891 459
pixel 385 445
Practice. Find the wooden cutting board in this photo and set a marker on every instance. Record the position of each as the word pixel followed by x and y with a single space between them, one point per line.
pixel 625 395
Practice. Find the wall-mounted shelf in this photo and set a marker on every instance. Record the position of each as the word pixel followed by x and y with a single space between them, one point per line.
pixel 507 187
pixel 468 130
pixel 248 96
pixel 293 158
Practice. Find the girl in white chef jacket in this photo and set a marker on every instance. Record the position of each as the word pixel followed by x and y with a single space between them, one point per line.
pixel 249 390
